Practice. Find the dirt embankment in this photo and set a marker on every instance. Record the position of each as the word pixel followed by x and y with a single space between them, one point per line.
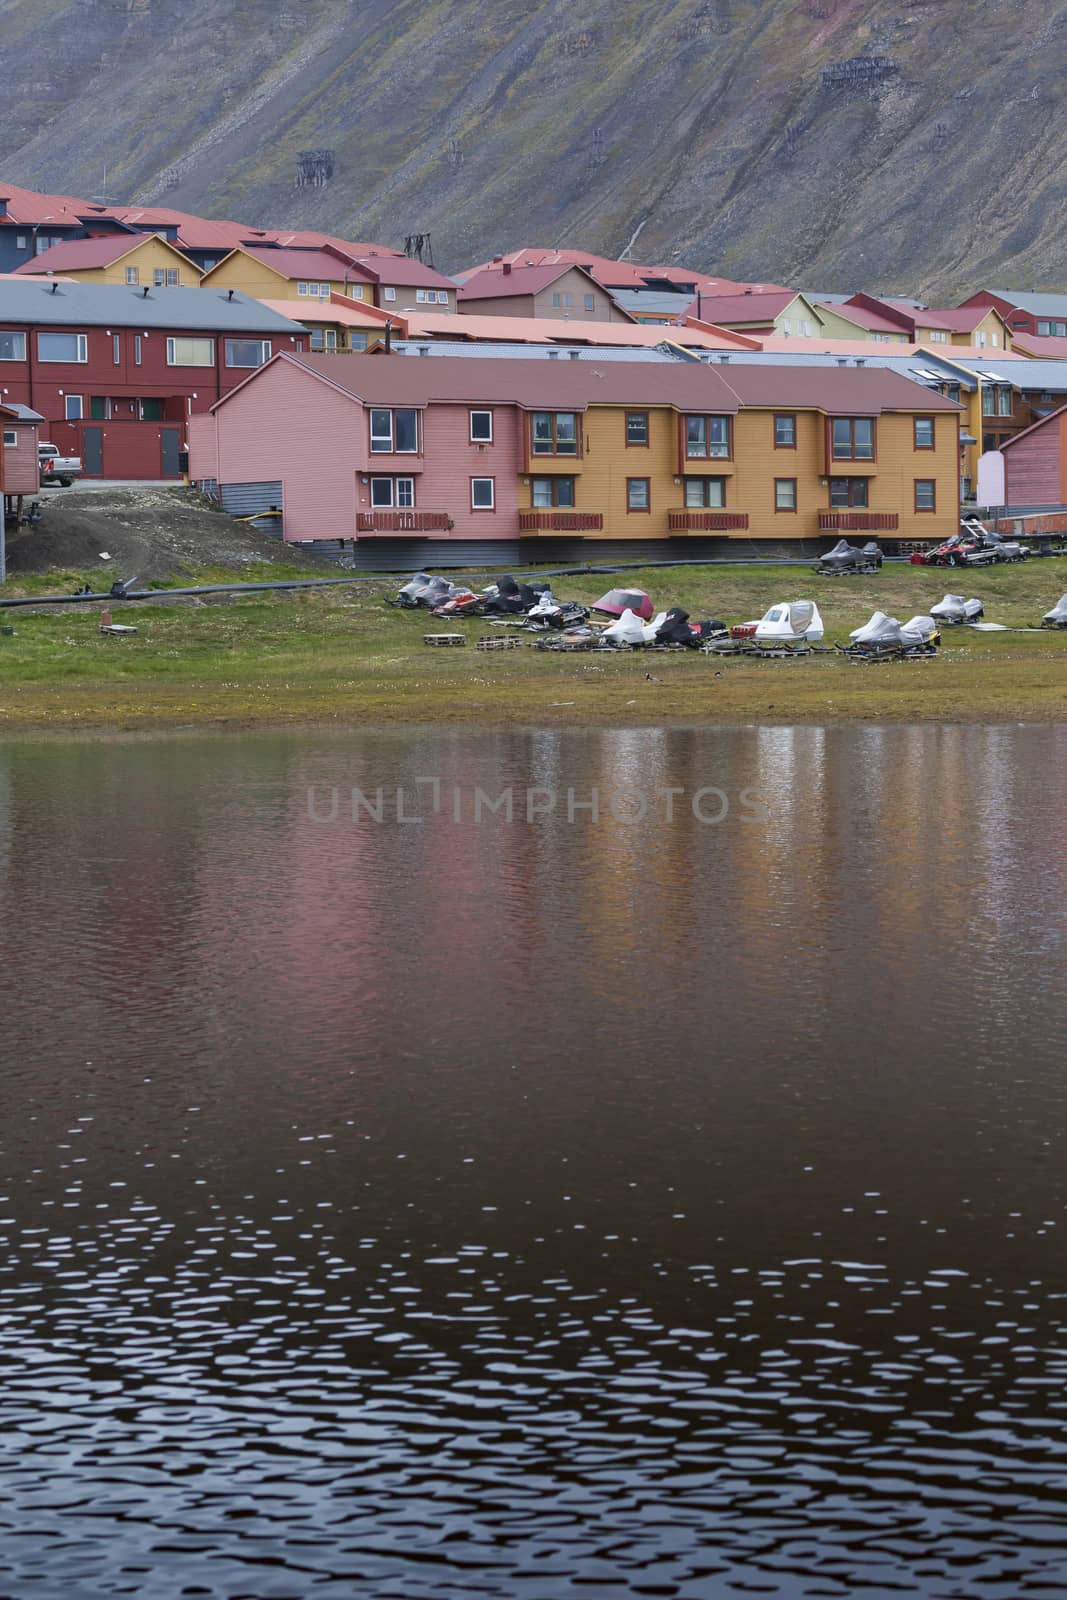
pixel 152 534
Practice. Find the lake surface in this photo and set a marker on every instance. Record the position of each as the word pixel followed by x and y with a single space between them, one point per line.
pixel 535 1208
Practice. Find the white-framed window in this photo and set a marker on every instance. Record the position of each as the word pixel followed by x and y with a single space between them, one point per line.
pixel 389 294
pixel 483 494
pixel 324 340
pixel 20 241
pixel 10 436
pixel 394 432
pixel 133 275
pixel 247 352
pixel 980 340
pixel 72 407
pixel 356 291
pixel 388 492
pixel 994 338
pixel 159 277
pixel 12 345
pixel 63 347
pixel 137 353
pixel 421 297
pixel 313 291
pixel 481 427
pixel 301 287
pixel 357 341
pixel 590 302
pixel 185 352
pixel 116 349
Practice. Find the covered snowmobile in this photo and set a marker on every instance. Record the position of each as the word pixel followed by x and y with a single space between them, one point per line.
pixel 503 598
pixel 616 601
pixel 883 638
pixel 848 559
pixel 1057 617
pixel 677 629
pixel 954 609
pixel 407 597
pixel 628 630
pixel 790 622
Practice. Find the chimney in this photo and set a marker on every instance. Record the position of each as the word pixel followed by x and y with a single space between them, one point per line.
pixel 506 269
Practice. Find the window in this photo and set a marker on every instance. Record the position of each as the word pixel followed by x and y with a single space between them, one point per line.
pixel 314 291
pixel 556 300
pixel 355 291
pixel 100 408
pixel 394 432
pixel 133 274
pixel 62 347
pixel 637 429
pixel 247 352
pixel 853 439
pixel 1004 403
pixel 116 349
pixel 137 352
pixel 357 341
pixel 980 340
pixel 704 493
pixel 184 352
pixel 994 338
pixel 707 436
pixel 989 402
pixel 937 336
pixel 324 339
pixel 785 433
pixel 1043 328
pixel 385 492
pixel 481 427
pixel 787 326
pixel 11 436
pixel 924 433
pixel 555 433
pixel 552 492
pixel 952 392
pixel 590 302
pixel 483 493
pixel 12 346
pixel 568 301
pixel 389 294
pixel 159 277
pixel 785 494
pixel 845 492
pixel 20 242
pixel 638 494
pixel 72 407
pixel 925 494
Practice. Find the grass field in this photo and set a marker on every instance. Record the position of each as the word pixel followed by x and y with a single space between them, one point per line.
pixel 344 656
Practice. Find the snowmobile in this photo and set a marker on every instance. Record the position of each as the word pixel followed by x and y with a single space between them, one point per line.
pixel 953 609
pixel 407 596
pixel 462 603
pixel 548 612
pixel 791 622
pixel 629 629
pixel 846 560
pixel 973 546
pixel 616 601
pixel 1057 617
pixel 883 638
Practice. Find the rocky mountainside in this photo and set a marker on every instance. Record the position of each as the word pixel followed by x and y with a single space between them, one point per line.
pixel 909 145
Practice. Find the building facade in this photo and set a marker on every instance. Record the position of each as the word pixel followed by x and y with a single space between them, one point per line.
pixel 533 454
pixel 116 372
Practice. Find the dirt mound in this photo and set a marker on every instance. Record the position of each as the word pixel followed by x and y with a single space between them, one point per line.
pixel 147 533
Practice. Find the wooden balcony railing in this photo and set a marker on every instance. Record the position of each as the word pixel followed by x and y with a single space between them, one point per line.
pixel 705 521
pixel 858 521
pixel 401 521
pixel 560 521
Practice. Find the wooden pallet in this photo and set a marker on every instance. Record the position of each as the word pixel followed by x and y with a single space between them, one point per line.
pixel 453 639
pixel 500 641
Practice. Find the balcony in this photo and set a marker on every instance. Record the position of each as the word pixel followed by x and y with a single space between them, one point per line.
pixel 858 521
pixel 402 522
pixel 560 522
pixel 687 521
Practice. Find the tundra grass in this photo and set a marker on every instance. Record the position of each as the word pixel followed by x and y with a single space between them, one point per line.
pixel 343 656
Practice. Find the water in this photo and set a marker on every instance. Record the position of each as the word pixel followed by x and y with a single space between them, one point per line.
pixel 534 1210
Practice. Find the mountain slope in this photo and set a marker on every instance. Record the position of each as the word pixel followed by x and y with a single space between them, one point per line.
pixel 730 134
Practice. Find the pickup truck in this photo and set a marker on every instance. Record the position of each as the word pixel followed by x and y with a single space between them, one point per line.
pixel 56 468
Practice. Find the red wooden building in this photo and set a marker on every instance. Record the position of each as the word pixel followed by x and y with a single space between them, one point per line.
pixel 116 371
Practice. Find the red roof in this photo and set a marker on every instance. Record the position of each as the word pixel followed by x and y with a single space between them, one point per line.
pixel 74 255
pixel 613 274
pixel 1032 344
pixel 494 283
pixel 959 319
pixel 30 208
pixel 756 307
pixel 548 385
pixel 401 270
pixel 867 319
pixel 297 265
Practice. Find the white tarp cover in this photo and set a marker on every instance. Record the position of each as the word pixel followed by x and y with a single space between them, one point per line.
pixel 870 629
pixel 918 630
pixel 628 630
pixel 1058 612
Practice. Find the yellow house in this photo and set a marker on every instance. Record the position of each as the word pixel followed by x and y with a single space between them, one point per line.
pixel 340 327
pixel 760 453
pixel 143 260
pixel 289 274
